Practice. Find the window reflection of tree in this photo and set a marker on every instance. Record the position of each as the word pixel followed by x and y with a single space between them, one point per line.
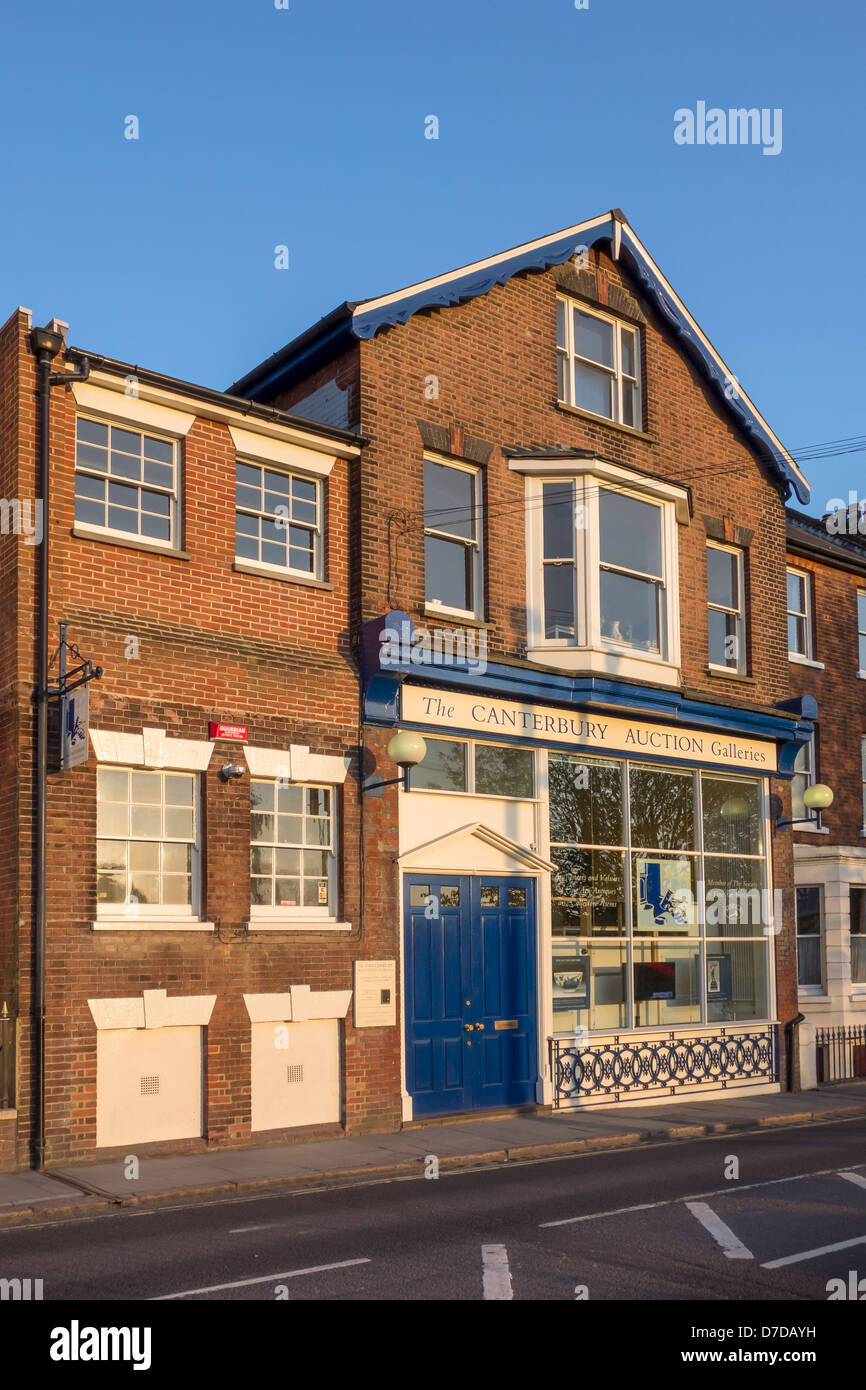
pixel 444 766
pixel 503 771
pixel 585 802
pixel 662 809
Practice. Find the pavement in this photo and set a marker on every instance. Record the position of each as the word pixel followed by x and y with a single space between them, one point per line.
pixel 85 1187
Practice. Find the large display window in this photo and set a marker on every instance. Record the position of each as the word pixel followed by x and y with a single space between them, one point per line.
pixel 661 913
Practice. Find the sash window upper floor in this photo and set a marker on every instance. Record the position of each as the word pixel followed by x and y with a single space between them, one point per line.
pixel 602 568
pixel 599 364
pixel 453 533
pixel 278 519
pixel 126 482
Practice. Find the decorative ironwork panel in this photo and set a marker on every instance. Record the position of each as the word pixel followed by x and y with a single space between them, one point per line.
pixel 634 1068
pixel 840 1053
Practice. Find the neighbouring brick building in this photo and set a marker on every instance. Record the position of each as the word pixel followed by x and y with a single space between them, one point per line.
pixel 521 512
pixel 571 529
pixel 827 652
pixel 188 999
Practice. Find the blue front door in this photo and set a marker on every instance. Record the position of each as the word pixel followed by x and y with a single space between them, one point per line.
pixel 470 991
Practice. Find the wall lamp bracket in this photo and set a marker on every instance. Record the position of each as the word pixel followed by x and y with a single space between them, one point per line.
pixel 229 771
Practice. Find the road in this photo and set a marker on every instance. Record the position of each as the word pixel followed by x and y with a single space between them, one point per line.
pixel 660 1221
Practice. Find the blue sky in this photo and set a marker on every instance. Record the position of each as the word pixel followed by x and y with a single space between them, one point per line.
pixel 304 127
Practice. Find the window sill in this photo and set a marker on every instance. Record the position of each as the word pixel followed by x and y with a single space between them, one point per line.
pixel 799 660
pixel 811 829
pixel 263 572
pixel 730 675
pixel 150 924
pixel 609 424
pixel 806 995
pixel 86 533
pixel 456 616
pixel 596 661
pixel 861 675
pixel 296 924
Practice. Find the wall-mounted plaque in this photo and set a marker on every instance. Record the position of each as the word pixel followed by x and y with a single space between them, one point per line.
pixel 375 993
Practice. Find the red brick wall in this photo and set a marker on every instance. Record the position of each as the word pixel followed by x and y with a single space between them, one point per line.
pixel 212 644
pixel 840 694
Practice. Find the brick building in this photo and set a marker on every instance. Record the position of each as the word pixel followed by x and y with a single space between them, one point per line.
pixel 827 652
pixel 569 582
pixel 521 512
pixel 201 931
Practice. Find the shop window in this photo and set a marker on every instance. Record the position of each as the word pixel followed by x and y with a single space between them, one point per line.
pixel 278 520
pixel 726 608
pixel 292 854
pixel 452 538
pixel 599 363
pixel 810 935
pixel 858 936
pixel 654 924
pixel 799 615
pixel 481 769
pixel 147 845
pixel 126 482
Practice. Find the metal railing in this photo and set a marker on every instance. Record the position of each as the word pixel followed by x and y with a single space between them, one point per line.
pixel 840 1053
pixel 634 1068
pixel 7 1058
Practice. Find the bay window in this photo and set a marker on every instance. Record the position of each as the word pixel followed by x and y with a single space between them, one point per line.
pixel 602 579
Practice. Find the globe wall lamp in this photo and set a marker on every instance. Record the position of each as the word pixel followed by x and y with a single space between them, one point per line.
pixel 816 798
pixel 407 750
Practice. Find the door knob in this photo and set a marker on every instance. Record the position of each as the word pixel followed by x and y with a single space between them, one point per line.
pixel 479 1027
pixel 467 1027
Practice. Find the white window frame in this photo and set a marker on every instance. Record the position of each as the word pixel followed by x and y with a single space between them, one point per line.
pixel 263 914
pixel 861 634
pixel 811 776
pixel 820 987
pixel 738 613
pixel 566 357
pixel 589 650
pixel 863 780
pixel 806 577
pixel 317 572
pixel 174 494
pixel 476 546
pixel 133 915
pixel 469 790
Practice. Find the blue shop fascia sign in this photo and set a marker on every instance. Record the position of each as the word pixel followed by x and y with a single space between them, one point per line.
pixel 438 683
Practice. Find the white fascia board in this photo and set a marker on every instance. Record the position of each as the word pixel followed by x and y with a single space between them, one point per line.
pixel 560 464
pixel 367 305
pixel 112 393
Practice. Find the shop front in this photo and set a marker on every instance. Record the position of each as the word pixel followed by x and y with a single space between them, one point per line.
pixel 589 911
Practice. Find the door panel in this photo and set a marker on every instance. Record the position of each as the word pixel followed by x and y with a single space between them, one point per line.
pixel 470 992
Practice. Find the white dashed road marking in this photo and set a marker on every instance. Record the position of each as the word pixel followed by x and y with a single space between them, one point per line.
pixel 496 1277
pixel 721 1234
pixel 813 1254
pixel 262 1279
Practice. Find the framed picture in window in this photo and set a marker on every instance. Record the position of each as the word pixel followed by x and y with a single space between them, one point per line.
pixel 718 978
pixel 570 982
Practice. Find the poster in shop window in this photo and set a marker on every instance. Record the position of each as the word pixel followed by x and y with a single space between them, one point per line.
pixel 665 899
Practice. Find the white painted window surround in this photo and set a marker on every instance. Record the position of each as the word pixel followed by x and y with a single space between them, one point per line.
pixel 588 650
pixel 151 749
pixel 298 765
